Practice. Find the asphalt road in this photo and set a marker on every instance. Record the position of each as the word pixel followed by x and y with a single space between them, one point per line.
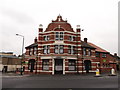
pixel 60 81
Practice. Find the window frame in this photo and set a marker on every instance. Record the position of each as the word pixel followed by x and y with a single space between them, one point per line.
pixel 104 55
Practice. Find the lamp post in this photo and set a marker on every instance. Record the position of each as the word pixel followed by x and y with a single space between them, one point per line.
pixel 22 51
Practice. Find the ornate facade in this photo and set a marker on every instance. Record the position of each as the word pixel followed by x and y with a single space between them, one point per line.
pixel 60 50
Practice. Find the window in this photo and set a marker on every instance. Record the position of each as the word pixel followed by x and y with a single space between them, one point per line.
pixel 69 49
pixel 71 38
pixel 46 38
pixel 97 54
pixel 104 55
pixel 59 49
pixel 45 65
pixel 46 49
pixel 59 36
pixel 72 65
pixel 84 51
pixel 35 50
pixel 56 49
pixel 30 51
pixel 89 52
pixel 74 51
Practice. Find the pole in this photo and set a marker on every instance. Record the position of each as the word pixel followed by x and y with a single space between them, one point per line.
pixel 22 52
pixel 77 54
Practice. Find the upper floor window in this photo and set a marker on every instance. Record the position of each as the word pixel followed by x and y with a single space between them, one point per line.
pixel 46 38
pixel 71 49
pixel 35 50
pixel 71 38
pixel 59 49
pixel 104 55
pixel 89 52
pixel 59 36
pixel 30 51
pixel 46 49
pixel 97 54
pixel 56 49
pixel 84 51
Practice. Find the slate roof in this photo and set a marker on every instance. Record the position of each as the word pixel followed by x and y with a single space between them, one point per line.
pixel 84 44
pixel 32 45
pixel 97 48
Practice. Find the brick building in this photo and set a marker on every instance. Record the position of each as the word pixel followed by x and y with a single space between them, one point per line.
pixel 9 62
pixel 60 50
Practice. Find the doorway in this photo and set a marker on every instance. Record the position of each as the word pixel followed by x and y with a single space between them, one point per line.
pixel 58 66
pixel 31 65
pixel 87 64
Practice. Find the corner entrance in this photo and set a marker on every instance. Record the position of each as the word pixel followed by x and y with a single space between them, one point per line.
pixel 58 66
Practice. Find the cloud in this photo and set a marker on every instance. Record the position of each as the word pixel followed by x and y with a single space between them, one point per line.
pixel 16 16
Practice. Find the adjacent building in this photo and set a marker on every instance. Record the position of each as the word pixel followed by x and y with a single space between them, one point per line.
pixel 9 62
pixel 60 50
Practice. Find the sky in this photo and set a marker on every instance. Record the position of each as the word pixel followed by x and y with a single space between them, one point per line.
pixel 98 18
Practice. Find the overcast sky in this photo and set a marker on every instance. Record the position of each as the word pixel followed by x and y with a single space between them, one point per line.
pixel 98 18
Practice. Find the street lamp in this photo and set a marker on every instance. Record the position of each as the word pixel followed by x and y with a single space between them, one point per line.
pixel 22 51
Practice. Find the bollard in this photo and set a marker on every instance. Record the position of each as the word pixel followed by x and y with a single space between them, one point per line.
pixel 97 73
pixel 112 72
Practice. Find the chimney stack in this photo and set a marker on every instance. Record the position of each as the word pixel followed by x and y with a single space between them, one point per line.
pixel 115 54
pixel 78 29
pixel 35 40
pixel 85 40
pixel 40 28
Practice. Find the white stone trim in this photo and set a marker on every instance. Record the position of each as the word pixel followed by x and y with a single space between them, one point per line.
pixel 63 66
pixel 95 62
pixel 53 65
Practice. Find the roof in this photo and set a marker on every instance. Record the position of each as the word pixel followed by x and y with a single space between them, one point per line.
pixel 32 45
pixel 98 49
pixel 8 56
pixel 59 23
pixel 84 44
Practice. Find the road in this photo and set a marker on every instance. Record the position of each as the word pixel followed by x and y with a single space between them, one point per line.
pixel 60 81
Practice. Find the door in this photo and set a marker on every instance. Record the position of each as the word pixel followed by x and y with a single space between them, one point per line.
pixel 87 64
pixel 58 66
pixel 31 65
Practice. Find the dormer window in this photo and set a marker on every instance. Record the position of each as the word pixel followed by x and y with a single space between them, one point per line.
pixel 59 36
